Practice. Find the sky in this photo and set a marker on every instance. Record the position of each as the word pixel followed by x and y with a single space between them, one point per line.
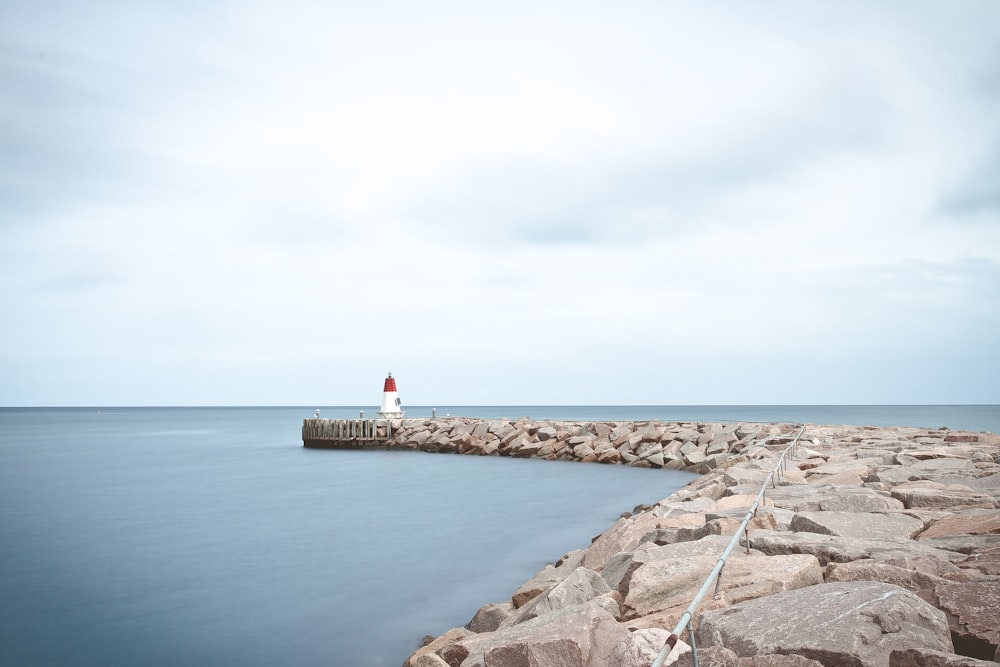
pixel 516 203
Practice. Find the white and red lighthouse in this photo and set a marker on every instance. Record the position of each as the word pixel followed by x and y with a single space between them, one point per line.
pixel 391 405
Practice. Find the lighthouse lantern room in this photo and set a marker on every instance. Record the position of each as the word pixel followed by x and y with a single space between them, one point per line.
pixel 391 405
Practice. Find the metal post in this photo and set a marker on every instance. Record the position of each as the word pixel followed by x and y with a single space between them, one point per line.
pixel 694 648
pixel 718 582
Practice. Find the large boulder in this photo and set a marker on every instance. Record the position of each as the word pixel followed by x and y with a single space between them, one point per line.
pixel 642 646
pixel 934 495
pixel 931 469
pixel 829 498
pixel 855 624
pixel 670 584
pixel 577 636
pixel 972 522
pixel 581 585
pixel 490 616
pixel 546 578
pixel 858 524
pixel 873 570
pixel 834 549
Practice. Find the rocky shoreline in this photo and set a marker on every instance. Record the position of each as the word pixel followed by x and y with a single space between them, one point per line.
pixel 874 546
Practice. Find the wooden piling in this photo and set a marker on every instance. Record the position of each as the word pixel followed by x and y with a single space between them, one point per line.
pixel 345 433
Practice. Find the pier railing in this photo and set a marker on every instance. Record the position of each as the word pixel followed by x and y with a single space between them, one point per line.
pixel 687 618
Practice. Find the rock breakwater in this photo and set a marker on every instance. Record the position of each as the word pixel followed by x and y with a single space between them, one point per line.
pixel 676 446
pixel 874 546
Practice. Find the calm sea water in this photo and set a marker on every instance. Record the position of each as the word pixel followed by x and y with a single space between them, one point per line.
pixel 209 536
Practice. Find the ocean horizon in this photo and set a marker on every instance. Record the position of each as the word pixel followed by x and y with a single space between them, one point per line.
pixel 209 535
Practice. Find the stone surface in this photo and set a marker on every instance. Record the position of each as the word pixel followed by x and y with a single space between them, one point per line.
pixel 846 511
pixel 973 610
pixel 925 494
pixel 490 616
pixel 982 522
pixel 858 524
pixel 577 636
pixel 671 582
pixel 449 638
pixel 834 549
pixel 912 657
pixel 640 648
pixel 777 660
pixel 829 498
pixel 858 623
pixel 873 570
pixel 580 585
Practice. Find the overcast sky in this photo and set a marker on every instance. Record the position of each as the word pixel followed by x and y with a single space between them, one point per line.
pixel 226 203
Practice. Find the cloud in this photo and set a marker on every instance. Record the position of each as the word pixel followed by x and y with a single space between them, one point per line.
pixel 236 203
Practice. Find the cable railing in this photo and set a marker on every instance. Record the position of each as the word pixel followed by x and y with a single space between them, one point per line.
pixel 687 618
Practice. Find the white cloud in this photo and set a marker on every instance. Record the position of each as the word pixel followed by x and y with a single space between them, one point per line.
pixel 241 204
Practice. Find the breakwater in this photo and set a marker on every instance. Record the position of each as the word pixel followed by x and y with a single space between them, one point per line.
pixel 686 446
pixel 886 539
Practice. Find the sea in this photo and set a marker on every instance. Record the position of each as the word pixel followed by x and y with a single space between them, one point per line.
pixel 210 536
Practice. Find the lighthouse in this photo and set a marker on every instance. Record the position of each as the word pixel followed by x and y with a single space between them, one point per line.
pixel 391 406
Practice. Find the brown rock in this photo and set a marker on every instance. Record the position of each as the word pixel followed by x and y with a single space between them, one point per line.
pixel 985 560
pixel 449 638
pixel 983 522
pixel 973 610
pixel 913 657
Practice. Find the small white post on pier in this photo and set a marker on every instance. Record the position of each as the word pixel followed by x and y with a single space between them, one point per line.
pixel 391 405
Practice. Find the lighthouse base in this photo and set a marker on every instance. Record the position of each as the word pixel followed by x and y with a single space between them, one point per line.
pixel 391 415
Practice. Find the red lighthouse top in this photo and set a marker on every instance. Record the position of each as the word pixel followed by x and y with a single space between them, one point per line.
pixel 390 384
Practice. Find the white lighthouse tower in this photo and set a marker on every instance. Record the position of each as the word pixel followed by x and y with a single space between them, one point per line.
pixel 391 406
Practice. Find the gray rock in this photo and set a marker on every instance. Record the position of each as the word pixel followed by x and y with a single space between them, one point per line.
pixel 490 616
pixel 829 498
pixel 578 636
pixel 581 585
pixel 546 433
pixel 873 570
pixel 662 584
pixel 856 624
pixel 711 656
pixel 927 494
pixel 858 524
pixel 930 469
pixel 641 647
pixel 546 578
pixel 834 549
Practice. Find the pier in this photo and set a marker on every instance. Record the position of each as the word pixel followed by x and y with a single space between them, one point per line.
pixel 345 433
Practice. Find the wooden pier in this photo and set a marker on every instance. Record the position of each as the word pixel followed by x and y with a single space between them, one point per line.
pixel 345 433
